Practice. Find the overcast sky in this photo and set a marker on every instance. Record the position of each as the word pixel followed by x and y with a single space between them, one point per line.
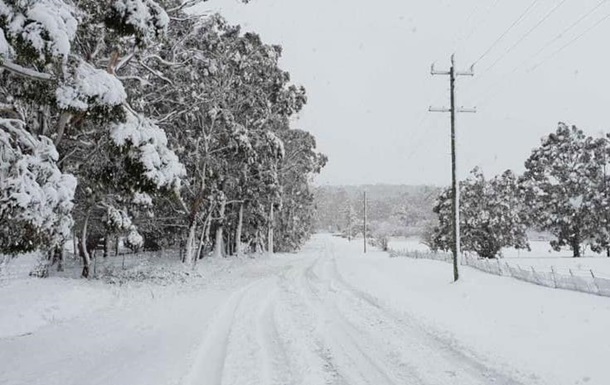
pixel 366 67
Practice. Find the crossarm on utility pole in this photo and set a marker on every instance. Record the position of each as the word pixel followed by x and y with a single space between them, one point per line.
pixel 453 75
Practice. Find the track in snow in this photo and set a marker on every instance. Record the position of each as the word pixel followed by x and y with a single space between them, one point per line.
pixel 308 325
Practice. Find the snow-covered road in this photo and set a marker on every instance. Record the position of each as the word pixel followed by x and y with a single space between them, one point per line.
pixel 327 315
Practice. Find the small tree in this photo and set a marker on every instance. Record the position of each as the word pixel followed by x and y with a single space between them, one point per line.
pixel 491 216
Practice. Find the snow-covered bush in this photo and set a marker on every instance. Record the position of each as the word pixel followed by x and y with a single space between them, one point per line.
pixel 35 196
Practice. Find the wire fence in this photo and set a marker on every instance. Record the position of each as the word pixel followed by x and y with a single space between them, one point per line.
pixel 582 281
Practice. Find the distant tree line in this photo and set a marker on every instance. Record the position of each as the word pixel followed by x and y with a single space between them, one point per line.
pixel 563 191
pixel 393 211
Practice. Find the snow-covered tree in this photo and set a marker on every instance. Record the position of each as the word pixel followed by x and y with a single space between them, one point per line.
pixel 36 198
pixel 492 216
pixel 561 185
pixel 225 103
pixel 295 219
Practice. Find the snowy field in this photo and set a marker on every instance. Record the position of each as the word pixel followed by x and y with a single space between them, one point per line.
pixel 327 315
pixel 541 258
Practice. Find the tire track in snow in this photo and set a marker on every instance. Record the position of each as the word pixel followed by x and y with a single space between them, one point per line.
pixel 407 329
pixel 361 359
pixel 277 364
pixel 298 323
pixel 209 362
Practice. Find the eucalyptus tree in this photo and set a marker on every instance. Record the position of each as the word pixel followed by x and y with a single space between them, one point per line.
pixel 59 62
pixel 221 103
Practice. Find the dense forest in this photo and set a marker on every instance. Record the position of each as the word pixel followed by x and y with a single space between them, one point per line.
pixel 137 122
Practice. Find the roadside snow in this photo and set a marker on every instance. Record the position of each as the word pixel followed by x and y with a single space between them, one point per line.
pixel 327 315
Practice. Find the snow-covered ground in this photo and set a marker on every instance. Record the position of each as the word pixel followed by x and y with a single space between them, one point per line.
pixel 541 257
pixel 327 315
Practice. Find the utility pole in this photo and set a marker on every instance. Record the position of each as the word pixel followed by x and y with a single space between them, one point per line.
pixel 455 190
pixel 364 229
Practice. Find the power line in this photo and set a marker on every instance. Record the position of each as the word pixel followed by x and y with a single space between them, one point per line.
pixel 508 30
pixel 578 37
pixel 526 35
pixel 476 26
pixel 509 76
pixel 568 29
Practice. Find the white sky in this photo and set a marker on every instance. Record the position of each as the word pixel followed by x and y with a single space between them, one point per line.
pixel 366 67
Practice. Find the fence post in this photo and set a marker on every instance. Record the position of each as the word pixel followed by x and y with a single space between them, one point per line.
pixel 595 282
pixel 554 276
pixel 535 277
pixel 574 285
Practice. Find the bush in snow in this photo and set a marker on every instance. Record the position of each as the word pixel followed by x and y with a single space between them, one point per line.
pixel 35 196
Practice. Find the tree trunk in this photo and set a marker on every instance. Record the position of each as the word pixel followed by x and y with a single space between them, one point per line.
pixel 205 232
pixel 576 246
pixel 270 236
pixel 106 245
pixel 64 118
pixel 83 249
pixel 238 231
pixel 58 257
pixel 189 256
pixel 74 244
pixel 219 231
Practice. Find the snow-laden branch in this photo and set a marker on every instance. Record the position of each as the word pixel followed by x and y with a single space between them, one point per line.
pixel 26 72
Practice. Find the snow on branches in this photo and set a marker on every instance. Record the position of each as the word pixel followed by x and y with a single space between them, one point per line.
pixel 90 87
pixel 147 146
pixel 143 18
pixel 45 28
pixel 35 196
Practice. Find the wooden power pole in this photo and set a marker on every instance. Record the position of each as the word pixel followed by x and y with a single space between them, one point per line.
pixel 455 190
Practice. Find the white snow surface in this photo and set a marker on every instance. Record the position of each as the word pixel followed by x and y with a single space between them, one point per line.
pixel 326 315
